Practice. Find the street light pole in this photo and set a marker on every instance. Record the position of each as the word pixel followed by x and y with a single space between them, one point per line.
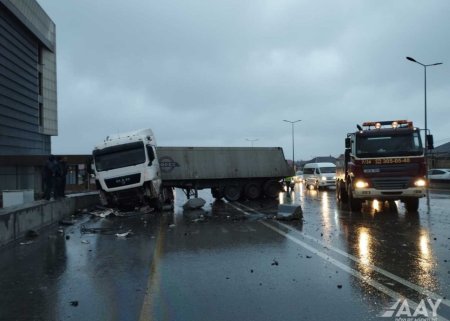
pixel 426 124
pixel 252 141
pixel 293 148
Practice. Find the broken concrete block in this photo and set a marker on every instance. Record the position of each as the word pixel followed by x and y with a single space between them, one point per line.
pixel 289 212
pixel 194 203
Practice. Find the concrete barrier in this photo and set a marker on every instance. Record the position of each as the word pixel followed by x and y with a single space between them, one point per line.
pixel 16 221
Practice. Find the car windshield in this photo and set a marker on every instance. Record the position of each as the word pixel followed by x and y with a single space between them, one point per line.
pixel 119 156
pixel 406 144
pixel 327 170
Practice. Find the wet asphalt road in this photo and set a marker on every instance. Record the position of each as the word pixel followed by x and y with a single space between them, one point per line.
pixel 234 262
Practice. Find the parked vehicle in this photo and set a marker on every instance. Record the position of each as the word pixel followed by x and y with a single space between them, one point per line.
pixel 439 174
pixel 383 161
pixel 319 175
pixel 131 169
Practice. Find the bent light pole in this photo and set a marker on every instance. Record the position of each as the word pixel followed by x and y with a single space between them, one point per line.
pixel 293 148
pixel 426 125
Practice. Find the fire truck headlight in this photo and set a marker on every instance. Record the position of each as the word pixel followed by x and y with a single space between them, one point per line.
pixel 361 184
pixel 324 178
pixel 420 182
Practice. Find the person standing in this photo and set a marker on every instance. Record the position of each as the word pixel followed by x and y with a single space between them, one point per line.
pixel 61 177
pixel 49 177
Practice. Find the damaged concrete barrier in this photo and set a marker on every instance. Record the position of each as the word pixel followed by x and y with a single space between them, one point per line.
pixel 289 212
pixel 194 203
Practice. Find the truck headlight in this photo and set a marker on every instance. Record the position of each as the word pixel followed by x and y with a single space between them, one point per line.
pixel 324 178
pixel 420 182
pixel 361 184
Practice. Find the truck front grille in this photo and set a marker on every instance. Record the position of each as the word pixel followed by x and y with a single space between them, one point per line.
pixel 123 180
pixel 390 183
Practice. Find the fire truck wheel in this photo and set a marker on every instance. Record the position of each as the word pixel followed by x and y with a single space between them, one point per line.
pixel 355 204
pixel 412 205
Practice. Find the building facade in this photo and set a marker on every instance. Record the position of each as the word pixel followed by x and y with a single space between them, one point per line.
pixel 28 95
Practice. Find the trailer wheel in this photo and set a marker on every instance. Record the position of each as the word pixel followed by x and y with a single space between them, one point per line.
pixel 412 205
pixel 252 190
pixel 232 193
pixel 217 193
pixel 272 188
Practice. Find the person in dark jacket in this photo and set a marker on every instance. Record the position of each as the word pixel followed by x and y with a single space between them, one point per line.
pixel 49 177
pixel 61 177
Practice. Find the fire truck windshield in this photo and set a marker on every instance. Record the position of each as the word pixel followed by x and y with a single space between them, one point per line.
pixel 394 144
pixel 119 156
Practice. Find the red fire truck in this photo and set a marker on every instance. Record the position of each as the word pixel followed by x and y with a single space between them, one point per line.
pixel 383 161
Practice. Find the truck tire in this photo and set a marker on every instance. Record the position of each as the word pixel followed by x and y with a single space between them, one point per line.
pixel 217 193
pixel 232 192
pixel 252 190
pixel 272 188
pixel 354 204
pixel 412 205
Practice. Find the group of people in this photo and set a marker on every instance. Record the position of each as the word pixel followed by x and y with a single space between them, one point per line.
pixel 54 177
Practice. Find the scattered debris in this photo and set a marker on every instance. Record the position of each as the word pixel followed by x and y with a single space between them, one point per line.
pixel 171 225
pixel 309 257
pixel 85 242
pixel 67 237
pixel 275 262
pixel 26 243
pixel 67 222
pixel 104 213
pixel 194 203
pixel 124 235
pixel 339 286
pixel 61 231
pixel 289 212
pixel 74 303
pixel 32 234
pixel 251 271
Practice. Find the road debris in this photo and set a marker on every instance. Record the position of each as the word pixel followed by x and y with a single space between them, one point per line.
pixel 275 262
pixel 74 303
pixel 289 212
pixel 194 203
pixel 26 243
pixel 85 242
pixel 124 235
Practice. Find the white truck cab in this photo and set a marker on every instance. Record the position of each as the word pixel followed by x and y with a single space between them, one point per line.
pixel 126 165
pixel 319 175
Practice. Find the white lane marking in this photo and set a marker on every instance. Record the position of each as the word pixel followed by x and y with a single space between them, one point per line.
pixel 390 275
pixel 380 287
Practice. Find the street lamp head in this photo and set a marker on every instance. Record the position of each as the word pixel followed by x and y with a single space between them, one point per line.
pixel 411 59
pixel 439 63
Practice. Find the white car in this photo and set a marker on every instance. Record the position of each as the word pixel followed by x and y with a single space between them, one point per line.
pixel 439 174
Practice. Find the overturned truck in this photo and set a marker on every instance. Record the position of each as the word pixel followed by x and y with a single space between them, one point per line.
pixel 130 168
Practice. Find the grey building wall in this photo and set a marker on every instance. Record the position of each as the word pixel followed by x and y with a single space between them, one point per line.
pixel 28 104
pixel 28 96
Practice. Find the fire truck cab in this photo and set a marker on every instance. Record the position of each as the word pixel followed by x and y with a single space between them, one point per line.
pixel 383 161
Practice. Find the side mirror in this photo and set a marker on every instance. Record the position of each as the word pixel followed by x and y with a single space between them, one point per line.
pixel 348 143
pixel 430 141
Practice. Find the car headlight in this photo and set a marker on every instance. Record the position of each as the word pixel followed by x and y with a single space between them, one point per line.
pixel 324 178
pixel 361 184
pixel 420 182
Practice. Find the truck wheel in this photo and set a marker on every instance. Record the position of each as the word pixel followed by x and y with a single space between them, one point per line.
pixel 355 204
pixel 252 190
pixel 412 205
pixel 232 193
pixel 217 193
pixel 272 188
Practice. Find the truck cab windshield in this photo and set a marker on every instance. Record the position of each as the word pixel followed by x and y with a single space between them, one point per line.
pixel 119 156
pixel 389 145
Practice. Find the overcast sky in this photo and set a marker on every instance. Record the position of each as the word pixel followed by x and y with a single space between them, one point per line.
pixel 215 73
